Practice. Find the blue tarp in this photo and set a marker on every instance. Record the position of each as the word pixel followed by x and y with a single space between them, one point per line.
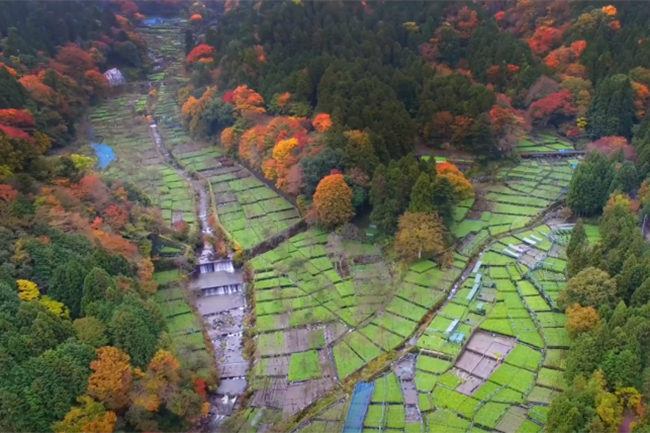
pixel 105 154
pixel 156 21
pixel 358 407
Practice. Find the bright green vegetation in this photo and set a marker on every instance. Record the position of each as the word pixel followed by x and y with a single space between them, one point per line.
pixel 297 286
pixel 512 301
pixel 304 366
pixel 386 410
pixel 547 142
pixel 182 323
pixel 138 161
pixel 523 193
pixel 593 233
pixel 248 209
pixel 521 275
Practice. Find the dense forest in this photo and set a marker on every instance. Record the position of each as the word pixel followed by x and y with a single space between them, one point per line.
pixel 340 107
pixel 82 345
pixel 392 79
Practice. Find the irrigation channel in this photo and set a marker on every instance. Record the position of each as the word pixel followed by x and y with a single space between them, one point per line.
pixel 220 297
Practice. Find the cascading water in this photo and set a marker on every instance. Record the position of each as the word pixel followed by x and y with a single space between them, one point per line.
pixel 219 286
pixel 221 303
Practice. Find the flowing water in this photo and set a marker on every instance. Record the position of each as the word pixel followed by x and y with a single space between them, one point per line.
pixel 219 286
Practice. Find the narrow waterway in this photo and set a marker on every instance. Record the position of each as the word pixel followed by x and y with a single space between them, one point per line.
pixel 220 300
pixel 217 289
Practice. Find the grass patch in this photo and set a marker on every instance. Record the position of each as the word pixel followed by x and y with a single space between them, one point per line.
pixel 525 357
pixel 304 366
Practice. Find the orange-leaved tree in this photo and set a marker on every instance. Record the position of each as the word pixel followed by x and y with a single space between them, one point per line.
pixel 581 319
pixel 322 122
pixel 201 51
pixel 248 100
pixel 462 186
pixel 333 200
pixel 158 382
pixel 111 379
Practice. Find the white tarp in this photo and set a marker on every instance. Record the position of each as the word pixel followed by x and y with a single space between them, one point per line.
pixel 115 77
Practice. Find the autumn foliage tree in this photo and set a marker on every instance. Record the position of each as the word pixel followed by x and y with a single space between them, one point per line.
pixel 247 100
pixel 27 290
pixel 157 384
pixel 17 118
pixel 462 186
pixel 333 200
pixel 277 168
pixel 420 235
pixel 556 104
pixel 201 51
pixel 544 39
pixel 508 127
pixel 111 379
pixel 72 60
pixel 89 417
pixel 322 122
pixel 581 319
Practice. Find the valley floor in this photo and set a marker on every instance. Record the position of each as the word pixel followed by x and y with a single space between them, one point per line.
pixel 345 340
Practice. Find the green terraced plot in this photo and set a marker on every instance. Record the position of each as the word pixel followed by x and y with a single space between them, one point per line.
pixel 304 366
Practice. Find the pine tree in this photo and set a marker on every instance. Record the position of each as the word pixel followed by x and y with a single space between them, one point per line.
pixel 95 286
pixel 612 108
pixel 444 197
pixel 66 285
pixel 578 238
pixel 589 187
pixel 422 194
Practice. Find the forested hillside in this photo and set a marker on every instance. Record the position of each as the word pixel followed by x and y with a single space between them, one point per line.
pixel 397 78
pixel 83 345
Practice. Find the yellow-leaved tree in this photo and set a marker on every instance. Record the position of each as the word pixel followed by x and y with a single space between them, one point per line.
pixel 90 417
pixel 419 235
pixel 581 319
pixel 27 290
pixel 333 200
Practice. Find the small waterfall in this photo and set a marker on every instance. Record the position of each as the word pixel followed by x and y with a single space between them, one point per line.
pixel 222 290
pixel 224 266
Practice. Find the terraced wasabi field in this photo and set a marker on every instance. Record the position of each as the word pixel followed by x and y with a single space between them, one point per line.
pixel 362 344
pixel 544 143
pixel 247 208
pixel 522 193
pixel 182 324
pixel 492 356
pixel 480 346
pixel 119 123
